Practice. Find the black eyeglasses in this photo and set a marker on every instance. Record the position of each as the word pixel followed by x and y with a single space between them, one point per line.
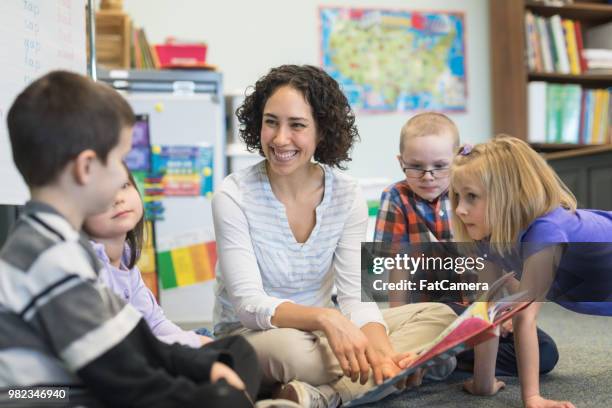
pixel 416 173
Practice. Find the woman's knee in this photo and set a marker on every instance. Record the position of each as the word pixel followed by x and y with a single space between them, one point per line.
pixel 287 354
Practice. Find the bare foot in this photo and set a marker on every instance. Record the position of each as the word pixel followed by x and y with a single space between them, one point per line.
pixel 472 388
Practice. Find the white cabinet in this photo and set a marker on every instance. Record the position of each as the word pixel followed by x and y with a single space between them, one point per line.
pixel 184 108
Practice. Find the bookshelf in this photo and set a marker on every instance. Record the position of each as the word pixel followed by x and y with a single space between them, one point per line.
pixel 509 73
pixel 587 11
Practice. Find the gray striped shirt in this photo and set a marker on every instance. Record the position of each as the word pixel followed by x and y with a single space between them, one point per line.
pixel 54 316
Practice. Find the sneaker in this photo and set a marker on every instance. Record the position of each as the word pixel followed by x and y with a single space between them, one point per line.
pixel 308 396
pixel 442 369
pixel 276 403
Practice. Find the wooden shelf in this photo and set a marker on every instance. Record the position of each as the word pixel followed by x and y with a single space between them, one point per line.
pixel 597 80
pixel 582 150
pixel 557 147
pixel 113 39
pixel 593 12
pixel 509 76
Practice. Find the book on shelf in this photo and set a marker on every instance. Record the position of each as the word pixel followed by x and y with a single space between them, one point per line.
pixel 587 128
pixel 476 324
pixel 580 45
pixel 534 57
pixel 545 44
pixel 553 113
pixel 583 117
pixel 562 60
pixel 536 91
pixel 558 45
pixel 142 54
pixel 572 47
pixel 568 113
pixel 601 120
pixel 598 59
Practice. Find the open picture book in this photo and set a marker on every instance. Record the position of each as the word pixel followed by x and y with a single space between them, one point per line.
pixel 472 327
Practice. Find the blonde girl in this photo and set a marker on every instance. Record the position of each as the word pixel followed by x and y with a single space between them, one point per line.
pixel 505 196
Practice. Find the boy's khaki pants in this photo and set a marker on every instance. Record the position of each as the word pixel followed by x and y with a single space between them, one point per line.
pixel 288 354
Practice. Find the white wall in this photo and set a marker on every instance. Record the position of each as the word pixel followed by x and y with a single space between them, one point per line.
pixel 246 38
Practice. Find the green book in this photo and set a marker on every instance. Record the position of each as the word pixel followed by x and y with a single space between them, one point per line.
pixel 554 95
pixel 570 113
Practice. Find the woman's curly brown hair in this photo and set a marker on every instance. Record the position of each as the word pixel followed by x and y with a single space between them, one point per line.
pixel 330 109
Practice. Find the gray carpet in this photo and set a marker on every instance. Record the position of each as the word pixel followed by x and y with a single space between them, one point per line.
pixel 582 376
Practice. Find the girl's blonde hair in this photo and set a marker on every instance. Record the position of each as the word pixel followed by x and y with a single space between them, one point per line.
pixel 520 187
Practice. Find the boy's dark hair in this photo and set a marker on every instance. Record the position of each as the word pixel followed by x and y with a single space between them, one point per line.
pixel 330 109
pixel 135 237
pixel 57 117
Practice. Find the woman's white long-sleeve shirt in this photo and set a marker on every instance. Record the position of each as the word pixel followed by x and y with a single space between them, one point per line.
pixel 261 265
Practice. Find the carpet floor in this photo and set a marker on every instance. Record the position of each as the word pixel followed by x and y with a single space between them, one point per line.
pixel 583 374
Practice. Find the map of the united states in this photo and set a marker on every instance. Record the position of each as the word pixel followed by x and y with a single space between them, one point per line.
pixel 396 60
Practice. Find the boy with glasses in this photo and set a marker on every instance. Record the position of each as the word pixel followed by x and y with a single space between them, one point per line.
pixel 417 209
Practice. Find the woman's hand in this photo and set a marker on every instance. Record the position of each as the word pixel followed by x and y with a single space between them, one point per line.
pixel 537 401
pixel 220 370
pixel 483 389
pixel 350 345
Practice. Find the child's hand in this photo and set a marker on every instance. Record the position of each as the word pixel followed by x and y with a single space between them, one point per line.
pixel 393 364
pixel 483 389
pixel 537 401
pixel 220 370
pixel 205 340
pixel 506 328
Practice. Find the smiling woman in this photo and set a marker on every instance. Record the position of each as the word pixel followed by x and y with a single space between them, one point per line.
pixel 287 230
pixel 328 108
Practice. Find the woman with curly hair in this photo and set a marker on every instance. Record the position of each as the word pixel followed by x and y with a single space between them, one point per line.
pixel 287 230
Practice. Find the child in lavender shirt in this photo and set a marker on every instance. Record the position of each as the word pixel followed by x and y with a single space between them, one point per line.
pixel 117 240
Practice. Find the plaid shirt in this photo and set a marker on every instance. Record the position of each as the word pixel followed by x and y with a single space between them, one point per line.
pixel 404 217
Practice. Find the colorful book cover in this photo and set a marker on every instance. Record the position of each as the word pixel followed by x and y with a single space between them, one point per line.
pixel 562 62
pixel 529 43
pixel 572 47
pixel 137 53
pixel 537 46
pixel 554 93
pixel 570 114
pixel 583 116
pixel 553 46
pixel 603 132
pixel 545 44
pixel 580 46
pixel 588 121
pixel 609 137
pixel 595 132
pixel 473 326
